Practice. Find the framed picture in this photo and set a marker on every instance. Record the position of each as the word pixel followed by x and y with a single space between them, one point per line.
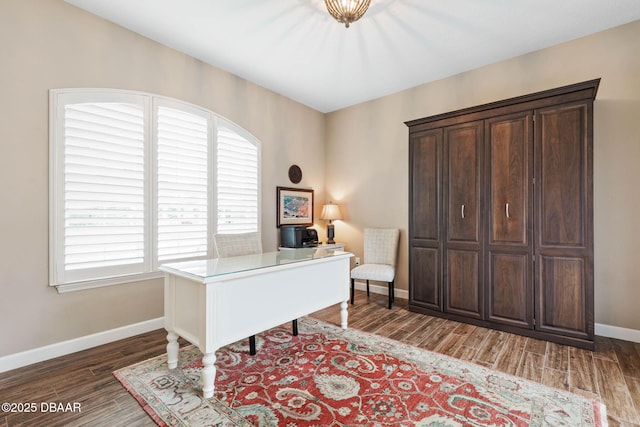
pixel 295 206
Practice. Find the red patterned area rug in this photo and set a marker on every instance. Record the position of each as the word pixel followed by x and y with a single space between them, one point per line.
pixel 329 377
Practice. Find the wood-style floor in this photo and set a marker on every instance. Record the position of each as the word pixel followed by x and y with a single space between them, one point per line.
pixel 611 373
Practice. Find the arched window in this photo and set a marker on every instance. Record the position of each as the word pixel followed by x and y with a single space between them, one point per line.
pixel 137 180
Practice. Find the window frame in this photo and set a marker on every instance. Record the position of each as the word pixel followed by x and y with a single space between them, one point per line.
pixel 58 99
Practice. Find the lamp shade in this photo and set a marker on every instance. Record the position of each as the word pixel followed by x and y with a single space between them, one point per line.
pixel 331 212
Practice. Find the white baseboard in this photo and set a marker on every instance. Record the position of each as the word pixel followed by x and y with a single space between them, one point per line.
pixel 603 330
pixel 617 332
pixel 18 360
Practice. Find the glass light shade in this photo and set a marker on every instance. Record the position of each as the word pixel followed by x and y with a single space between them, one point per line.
pixel 331 212
pixel 347 11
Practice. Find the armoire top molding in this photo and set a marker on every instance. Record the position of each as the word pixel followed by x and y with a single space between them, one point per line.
pixel 569 93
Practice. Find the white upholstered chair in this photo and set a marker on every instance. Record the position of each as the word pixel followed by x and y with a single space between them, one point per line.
pixel 380 253
pixel 229 245
pixel 237 244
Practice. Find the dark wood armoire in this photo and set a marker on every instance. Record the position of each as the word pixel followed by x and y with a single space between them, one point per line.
pixel 501 215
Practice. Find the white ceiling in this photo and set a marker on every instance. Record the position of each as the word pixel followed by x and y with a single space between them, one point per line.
pixel 295 48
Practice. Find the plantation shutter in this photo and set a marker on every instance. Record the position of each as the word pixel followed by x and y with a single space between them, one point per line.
pixel 182 184
pixel 103 195
pixel 137 181
pixel 237 181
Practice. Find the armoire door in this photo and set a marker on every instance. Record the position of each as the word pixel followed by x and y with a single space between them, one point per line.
pixel 564 219
pixel 425 153
pixel 463 264
pixel 509 246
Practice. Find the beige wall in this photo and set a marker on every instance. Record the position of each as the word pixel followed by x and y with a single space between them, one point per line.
pixel 50 44
pixel 368 158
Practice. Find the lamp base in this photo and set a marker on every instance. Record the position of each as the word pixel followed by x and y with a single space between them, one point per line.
pixel 330 234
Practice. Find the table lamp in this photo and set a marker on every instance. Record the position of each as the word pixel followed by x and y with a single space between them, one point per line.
pixel 330 212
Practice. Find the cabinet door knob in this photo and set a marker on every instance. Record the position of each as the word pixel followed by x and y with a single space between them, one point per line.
pixel 462 211
pixel 506 210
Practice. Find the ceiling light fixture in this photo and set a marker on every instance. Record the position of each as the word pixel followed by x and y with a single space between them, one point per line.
pixel 347 11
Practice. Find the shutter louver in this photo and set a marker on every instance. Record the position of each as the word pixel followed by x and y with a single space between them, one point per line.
pixel 237 182
pixel 182 205
pixel 103 185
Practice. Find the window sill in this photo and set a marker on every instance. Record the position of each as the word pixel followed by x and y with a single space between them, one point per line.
pixel 110 281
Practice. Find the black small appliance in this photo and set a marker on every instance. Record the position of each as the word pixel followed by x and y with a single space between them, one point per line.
pixel 296 236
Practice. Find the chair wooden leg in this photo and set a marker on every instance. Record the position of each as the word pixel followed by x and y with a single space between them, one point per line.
pixel 294 327
pixel 352 290
pixel 390 294
pixel 367 287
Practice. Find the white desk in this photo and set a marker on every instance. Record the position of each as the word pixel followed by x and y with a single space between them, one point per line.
pixel 215 302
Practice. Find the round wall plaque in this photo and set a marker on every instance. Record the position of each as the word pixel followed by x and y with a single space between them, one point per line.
pixel 295 174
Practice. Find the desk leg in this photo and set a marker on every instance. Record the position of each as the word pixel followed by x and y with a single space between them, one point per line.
pixel 208 374
pixel 172 350
pixel 343 314
pixel 252 345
